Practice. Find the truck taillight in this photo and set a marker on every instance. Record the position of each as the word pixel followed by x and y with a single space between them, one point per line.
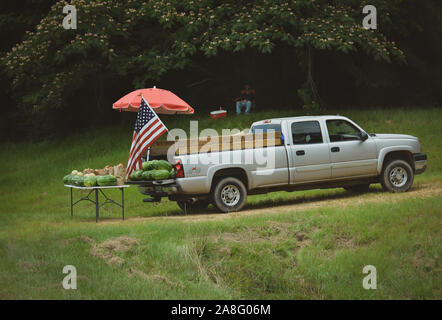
pixel 179 170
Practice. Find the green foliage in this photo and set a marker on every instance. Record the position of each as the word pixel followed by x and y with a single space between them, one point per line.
pixel 309 105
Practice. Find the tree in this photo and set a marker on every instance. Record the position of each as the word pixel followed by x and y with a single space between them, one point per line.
pixel 146 39
pixel 15 18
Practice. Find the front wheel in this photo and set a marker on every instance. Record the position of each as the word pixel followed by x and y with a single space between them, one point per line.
pixel 229 194
pixel 397 176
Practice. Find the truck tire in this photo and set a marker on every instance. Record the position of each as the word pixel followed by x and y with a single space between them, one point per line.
pixel 358 188
pixel 229 194
pixel 397 176
pixel 193 205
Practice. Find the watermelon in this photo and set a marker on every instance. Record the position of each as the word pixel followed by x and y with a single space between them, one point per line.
pixel 67 179
pixel 147 165
pixel 132 176
pixel 172 173
pixel 138 175
pixel 147 175
pixel 153 164
pixel 107 180
pixel 161 165
pixel 77 181
pixel 160 174
pixel 90 181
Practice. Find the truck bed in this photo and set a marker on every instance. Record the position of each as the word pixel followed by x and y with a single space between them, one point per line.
pixel 224 143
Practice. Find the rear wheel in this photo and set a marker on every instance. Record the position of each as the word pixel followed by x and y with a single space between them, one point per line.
pixel 229 194
pixel 397 176
pixel 193 205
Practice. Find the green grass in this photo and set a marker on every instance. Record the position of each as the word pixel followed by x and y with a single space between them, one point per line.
pixel 317 251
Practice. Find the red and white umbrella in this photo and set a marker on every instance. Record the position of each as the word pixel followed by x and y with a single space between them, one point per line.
pixel 162 101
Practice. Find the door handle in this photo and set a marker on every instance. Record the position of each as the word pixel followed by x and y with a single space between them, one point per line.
pixel 335 149
pixel 300 152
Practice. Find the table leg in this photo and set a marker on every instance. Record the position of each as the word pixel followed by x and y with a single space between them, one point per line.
pixel 122 200
pixel 96 205
pixel 72 206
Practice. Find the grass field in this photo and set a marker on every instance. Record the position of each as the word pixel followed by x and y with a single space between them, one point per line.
pixel 301 245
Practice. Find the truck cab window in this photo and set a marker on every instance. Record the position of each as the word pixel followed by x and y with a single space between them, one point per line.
pixel 263 128
pixel 306 132
pixel 341 130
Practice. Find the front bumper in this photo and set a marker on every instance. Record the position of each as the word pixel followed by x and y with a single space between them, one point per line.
pixel 420 163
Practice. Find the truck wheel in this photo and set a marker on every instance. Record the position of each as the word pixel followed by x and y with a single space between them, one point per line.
pixel 193 205
pixel 229 194
pixel 358 188
pixel 397 176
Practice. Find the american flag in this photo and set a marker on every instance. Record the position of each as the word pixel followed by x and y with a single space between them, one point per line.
pixel 148 129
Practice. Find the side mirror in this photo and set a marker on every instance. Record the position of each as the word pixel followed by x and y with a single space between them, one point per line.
pixel 363 135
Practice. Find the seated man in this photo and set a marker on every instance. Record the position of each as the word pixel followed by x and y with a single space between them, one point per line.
pixel 245 100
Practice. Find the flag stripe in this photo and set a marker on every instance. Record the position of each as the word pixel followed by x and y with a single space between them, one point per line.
pixel 146 142
pixel 148 128
pixel 140 134
pixel 138 139
pixel 133 143
pixel 148 134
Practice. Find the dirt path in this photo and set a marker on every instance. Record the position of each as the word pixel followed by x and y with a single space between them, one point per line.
pixel 342 200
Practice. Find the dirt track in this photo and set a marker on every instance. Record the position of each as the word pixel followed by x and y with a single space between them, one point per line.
pixel 342 200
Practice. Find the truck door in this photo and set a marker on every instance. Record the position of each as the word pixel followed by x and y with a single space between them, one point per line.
pixel 350 156
pixel 309 152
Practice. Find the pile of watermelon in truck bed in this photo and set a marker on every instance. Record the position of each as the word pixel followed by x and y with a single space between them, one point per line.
pixel 153 170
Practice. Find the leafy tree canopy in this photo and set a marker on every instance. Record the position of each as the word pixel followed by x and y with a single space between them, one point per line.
pixel 146 39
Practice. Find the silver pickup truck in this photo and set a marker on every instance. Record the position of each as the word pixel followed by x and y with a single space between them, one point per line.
pixel 315 152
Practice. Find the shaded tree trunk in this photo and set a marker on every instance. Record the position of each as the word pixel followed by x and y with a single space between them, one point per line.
pixel 310 83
